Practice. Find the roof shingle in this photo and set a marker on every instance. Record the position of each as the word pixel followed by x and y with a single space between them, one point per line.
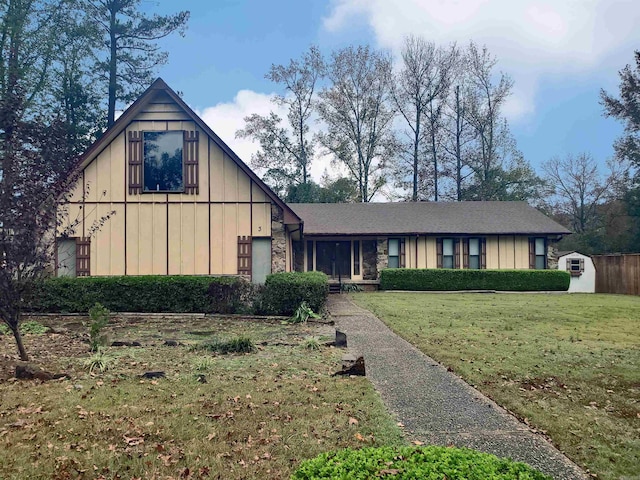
pixel 466 218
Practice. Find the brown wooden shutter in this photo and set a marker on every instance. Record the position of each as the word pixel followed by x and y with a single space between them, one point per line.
pixel 135 163
pixel 483 253
pixel 532 253
pixel 438 252
pixel 465 253
pixel 83 256
pixel 568 265
pixel 403 254
pixel 456 253
pixel 190 156
pixel 581 265
pixel 244 256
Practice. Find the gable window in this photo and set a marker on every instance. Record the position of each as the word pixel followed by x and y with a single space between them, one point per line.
pixel 538 253
pixel 163 169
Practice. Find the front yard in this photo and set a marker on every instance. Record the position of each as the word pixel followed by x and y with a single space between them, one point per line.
pixel 257 416
pixel 568 365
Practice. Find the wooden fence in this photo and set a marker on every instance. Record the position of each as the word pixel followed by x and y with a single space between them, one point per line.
pixel 618 273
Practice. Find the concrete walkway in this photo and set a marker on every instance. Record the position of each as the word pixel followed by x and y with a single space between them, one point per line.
pixel 435 405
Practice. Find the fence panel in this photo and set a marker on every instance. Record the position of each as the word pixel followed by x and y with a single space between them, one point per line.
pixel 618 273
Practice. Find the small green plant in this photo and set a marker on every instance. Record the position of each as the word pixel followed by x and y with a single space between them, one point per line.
pixel 100 361
pixel 350 287
pixel 430 463
pixel 233 345
pixel 99 316
pixel 303 313
pixel 203 364
pixel 4 329
pixel 311 343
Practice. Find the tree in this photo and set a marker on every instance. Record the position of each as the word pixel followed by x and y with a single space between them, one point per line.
pixel 580 189
pixel 418 91
pixel 287 152
pixel 358 116
pixel 132 53
pixel 340 190
pixel 627 110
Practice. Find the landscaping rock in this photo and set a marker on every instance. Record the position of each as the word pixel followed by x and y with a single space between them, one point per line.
pixel 125 344
pixel 352 365
pixel 29 371
pixel 341 339
pixel 158 374
pixel 170 343
pixel 202 379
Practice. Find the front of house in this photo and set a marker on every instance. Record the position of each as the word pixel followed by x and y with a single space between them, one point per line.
pixel 178 201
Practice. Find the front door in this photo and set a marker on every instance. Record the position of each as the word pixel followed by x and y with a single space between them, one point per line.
pixel 260 259
pixel 334 258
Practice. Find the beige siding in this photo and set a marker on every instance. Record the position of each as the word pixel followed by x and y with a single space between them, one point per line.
pixel 175 233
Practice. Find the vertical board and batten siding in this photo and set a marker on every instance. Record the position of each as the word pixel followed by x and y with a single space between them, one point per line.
pixel 618 273
pixel 169 233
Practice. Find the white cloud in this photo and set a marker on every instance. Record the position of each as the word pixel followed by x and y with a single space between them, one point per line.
pixel 531 38
pixel 227 118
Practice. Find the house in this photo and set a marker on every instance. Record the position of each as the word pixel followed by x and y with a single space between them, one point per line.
pixel 582 270
pixel 355 241
pixel 183 203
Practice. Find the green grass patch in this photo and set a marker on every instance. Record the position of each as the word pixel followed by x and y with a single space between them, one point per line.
pixel 425 463
pixel 231 345
pixel 568 364
pixel 28 327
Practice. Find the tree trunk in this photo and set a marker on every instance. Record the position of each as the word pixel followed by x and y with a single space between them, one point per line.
pixel 416 142
pixel 16 334
pixel 111 112
pixel 458 153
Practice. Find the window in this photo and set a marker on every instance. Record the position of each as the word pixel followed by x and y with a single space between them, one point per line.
pixel 447 253
pixel 356 257
pixel 575 266
pixel 540 253
pixel 394 253
pixel 309 255
pixel 163 170
pixel 474 253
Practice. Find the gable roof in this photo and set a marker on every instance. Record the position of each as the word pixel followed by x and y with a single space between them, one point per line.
pixel 129 115
pixel 411 218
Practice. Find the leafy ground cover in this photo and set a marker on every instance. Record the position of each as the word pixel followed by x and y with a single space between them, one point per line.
pixel 257 416
pixel 565 364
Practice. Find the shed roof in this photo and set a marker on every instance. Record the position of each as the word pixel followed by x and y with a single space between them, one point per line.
pixel 466 218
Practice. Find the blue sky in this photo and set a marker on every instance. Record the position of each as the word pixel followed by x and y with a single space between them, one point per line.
pixel 559 53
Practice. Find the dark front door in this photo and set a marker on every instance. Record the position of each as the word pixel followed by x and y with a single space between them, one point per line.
pixel 334 258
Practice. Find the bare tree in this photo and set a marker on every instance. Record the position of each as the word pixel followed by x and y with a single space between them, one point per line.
pixel 580 189
pixel 287 152
pixel 485 102
pixel 358 116
pixel 132 52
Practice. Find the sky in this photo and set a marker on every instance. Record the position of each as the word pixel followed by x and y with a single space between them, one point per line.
pixel 560 53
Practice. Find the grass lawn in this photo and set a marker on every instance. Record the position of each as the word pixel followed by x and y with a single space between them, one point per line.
pixel 257 416
pixel 569 365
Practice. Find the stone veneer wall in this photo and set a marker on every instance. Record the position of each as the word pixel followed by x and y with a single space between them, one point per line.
pixel 382 254
pixel 552 257
pixel 278 240
pixel 369 260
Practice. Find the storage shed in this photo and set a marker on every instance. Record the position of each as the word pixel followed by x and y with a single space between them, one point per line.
pixel 582 270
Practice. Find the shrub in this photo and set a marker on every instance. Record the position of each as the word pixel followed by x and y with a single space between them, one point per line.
pixel 303 313
pixel 152 293
pixel 447 279
pixel 99 319
pixel 427 463
pixel 284 292
pixel 101 361
pixel 232 345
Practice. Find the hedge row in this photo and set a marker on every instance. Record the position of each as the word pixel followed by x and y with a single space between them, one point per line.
pixel 446 279
pixel 281 295
pixel 427 463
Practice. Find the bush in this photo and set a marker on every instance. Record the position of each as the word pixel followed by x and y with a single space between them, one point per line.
pixel 447 279
pixel 177 294
pixel 427 463
pixel 99 319
pixel 283 293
